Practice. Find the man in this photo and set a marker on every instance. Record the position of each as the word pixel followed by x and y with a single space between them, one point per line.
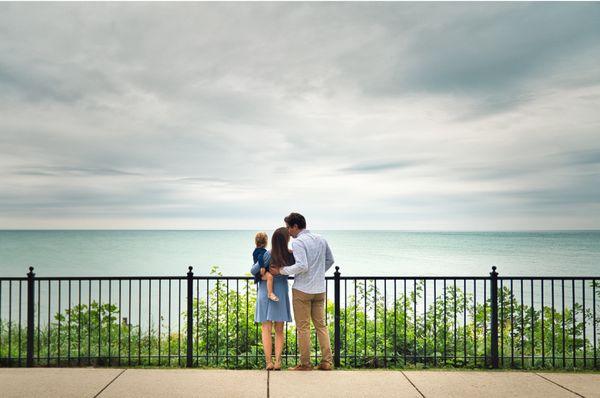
pixel 313 258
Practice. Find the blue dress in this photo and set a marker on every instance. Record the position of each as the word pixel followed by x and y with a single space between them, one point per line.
pixel 268 310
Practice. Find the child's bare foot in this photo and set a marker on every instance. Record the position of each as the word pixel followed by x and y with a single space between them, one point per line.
pixel 273 297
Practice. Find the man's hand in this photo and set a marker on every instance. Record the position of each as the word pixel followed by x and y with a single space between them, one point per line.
pixel 262 271
pixel 274 271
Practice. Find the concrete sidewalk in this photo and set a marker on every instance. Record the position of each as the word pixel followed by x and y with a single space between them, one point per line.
pixel 90 382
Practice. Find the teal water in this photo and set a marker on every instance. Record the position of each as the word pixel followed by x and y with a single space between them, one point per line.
pixel 123 253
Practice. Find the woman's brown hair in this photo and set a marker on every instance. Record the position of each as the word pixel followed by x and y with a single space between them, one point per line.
pixel 280 255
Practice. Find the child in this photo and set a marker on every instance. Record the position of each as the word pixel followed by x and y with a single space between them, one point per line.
pixel 261 242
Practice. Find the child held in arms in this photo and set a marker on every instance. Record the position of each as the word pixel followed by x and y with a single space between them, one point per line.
pixel 260 241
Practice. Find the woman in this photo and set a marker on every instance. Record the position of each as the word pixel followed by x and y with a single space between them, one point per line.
pixel 269 312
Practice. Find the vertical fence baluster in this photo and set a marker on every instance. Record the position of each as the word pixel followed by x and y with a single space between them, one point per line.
pixel 445 326
pixel 355 318
pixel 583 322
pixel 434 322
pixel 78 325
pixel 99 318
pixel 375 322
pixel 543 326
pixel 1 314
pixel 120 324
pixel 522 328
pixel 494 317
pixel 425 322
pixel 190 316
pixel 385 323
pixel 217 324
pixel 532 325
pixel 30 320
pixel 129 326
pixel 179 324
pixel 89 331
pixel 169 327
pixel 455 331
pixel 227 323
pixel 10 322
pixel 464 322
pixel 149 321
pixel 574 323
pixel 502 322
pixel 39 321
pixel 237 323
pixel 139 322
pixel 19 346
pixel 207 313
pixel 109 319
pixel 345 322
pixel 365 323
pixel 414 320
pixel 485 328
pixel 159 317
pixel 553 327
pixel 594 322
pixel 59 324
pixel 336 320
pixel 475 322
pixel 564 335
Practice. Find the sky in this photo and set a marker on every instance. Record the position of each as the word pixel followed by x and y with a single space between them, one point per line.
pixel 430 116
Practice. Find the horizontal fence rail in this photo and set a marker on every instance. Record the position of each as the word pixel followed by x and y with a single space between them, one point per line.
pixel 375 321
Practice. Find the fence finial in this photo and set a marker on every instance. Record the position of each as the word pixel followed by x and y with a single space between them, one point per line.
pixel 30 270
pixel 494 359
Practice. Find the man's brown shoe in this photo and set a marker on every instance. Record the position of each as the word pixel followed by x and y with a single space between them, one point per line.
pixel 301 367
pixel 323 366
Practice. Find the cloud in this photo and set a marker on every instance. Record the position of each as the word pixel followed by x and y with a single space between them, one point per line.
pixel 378 167
pixel 391 115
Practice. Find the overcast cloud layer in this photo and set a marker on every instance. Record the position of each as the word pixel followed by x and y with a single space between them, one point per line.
pixel 389 115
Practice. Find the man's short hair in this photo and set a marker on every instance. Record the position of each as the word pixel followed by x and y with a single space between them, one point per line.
pixel 295 219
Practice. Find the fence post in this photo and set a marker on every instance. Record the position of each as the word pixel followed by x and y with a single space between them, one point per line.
pixel 190 316
pixel 336 305
pixel 30 320
pixel 494 317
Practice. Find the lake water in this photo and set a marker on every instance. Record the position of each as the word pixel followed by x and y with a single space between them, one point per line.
pixel 125 253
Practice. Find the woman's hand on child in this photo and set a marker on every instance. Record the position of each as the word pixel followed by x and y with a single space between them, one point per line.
pixel 262 271
pixel 274 271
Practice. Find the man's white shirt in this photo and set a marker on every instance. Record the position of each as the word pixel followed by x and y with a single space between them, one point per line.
pixel 313 258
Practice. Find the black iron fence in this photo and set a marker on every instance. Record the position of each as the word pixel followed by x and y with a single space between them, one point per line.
pixel 492 321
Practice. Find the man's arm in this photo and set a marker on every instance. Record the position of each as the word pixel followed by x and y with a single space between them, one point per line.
pixel 328 257
pixel 301 264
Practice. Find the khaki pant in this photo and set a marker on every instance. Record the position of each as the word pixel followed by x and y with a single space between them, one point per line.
pixel 307 307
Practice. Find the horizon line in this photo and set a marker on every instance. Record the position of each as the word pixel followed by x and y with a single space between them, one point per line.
pixel 317 229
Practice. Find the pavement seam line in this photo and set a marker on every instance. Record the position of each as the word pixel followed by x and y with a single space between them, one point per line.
pixel 413 384
pixel 106 386
pixel 268 377
pixel 561 386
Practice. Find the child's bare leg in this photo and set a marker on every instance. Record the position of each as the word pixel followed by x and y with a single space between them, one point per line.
pixel 269 278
